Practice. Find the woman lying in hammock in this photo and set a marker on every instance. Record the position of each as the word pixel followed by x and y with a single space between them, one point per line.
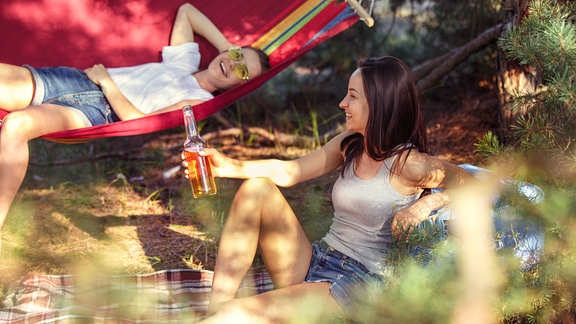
pixel 385 168
pixel 47 100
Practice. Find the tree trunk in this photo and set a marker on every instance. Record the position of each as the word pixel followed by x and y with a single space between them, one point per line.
pixel 513 79
pixel 429 72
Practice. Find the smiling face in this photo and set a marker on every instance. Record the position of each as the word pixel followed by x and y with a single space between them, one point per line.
pixel 355 104
pixel 221 69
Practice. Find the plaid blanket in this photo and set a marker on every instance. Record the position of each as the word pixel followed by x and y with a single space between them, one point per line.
pixel 163 296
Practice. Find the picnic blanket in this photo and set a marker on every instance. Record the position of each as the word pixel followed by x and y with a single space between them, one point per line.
pixel 159 297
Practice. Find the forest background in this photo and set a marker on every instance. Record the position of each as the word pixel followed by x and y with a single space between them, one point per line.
pixel 122 205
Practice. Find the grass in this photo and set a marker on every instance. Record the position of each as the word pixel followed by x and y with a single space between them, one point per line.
pixel 121 215
pixel 105 207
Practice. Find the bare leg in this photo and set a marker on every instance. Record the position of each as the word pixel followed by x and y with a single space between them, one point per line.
pixel 18 128
pixel 260 215
pixel 308 302
pixel 16 87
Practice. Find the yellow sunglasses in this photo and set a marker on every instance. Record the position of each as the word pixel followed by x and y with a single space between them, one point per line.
pixel 240 69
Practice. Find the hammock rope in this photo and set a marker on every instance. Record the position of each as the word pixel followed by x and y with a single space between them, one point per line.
pixel 303 25
pixel 364 15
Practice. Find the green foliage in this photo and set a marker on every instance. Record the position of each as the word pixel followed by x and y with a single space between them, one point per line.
pixel 555 278
pixel 414 295
pixel 304 100
pixel 421 283
pixel 546 41
pixel 412 30
pixel 488 145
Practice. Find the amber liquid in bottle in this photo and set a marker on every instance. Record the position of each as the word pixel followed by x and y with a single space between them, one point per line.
pixel 199 167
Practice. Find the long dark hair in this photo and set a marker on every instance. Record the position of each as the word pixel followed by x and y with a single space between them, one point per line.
pixel 262 57
pixel 395 122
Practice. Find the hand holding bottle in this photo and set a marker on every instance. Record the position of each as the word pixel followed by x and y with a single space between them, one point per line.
pixel 199 167
pixel 221 165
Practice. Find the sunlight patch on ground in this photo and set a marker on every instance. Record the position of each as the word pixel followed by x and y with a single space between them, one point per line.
pixel 54 230
pixel 123 251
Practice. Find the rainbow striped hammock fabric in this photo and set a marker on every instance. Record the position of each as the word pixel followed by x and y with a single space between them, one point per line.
pixel 285 30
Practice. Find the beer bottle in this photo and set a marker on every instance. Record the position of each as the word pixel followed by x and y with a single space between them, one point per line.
pixel 199 168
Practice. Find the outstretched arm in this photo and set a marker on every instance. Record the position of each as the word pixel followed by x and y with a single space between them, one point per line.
pixel 282 173
pixel 190 21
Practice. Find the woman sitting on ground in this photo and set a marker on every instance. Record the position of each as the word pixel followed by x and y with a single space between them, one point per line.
pixel 385 168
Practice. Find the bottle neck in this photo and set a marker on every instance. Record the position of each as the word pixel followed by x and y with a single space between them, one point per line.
pixel 190 123
pixel 192 134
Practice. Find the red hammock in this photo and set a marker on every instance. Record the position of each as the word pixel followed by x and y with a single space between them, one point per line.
pixel 80 33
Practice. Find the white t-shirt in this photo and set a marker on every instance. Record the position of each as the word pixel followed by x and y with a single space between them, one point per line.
pixel 153 86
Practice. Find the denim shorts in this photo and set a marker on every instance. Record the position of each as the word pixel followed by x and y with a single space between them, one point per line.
pixel 348 277
pixel 72 88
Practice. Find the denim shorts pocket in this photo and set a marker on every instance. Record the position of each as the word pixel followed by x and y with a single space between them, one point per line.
pixel 108 114
pixel 351 268
pixel 93 104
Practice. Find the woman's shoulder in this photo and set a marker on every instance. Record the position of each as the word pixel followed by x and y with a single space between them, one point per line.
pixel 425 170
pixel 413 156
pixel 334 145
pixel 337 140
pixel 415 165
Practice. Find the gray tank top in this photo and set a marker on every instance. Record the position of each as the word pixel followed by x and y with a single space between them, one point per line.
pixel 363 212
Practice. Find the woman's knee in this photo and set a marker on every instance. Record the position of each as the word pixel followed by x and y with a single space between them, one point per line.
pixel 15 126
pixel 251 199
pixel 257 187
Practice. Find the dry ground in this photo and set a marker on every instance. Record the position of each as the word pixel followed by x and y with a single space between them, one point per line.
pixel 152 223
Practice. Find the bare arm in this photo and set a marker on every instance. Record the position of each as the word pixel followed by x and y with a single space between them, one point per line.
pixel 190 21
pixel 409 217
pixel 121 105
pixel 425 171
pixel 282 173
